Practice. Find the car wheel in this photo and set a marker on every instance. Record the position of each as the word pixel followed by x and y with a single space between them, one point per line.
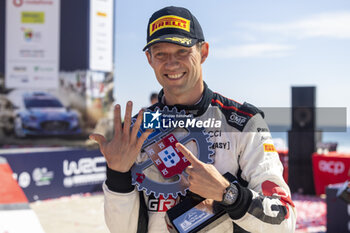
pixel 18 128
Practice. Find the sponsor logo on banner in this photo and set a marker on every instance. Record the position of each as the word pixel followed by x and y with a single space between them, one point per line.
pixel 333 167
pixel 24 179
pixel 31 53
pixel 19 68
pixel 169 21
pixel 17 3
pixel 41 176
pixel 37 17
pixel 269 148
pixel 84 172
pixel 43 69
pixel 29 35
pixel 101 14
pixel 237 119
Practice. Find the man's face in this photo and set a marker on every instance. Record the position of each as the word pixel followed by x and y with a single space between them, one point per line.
pixel 177 68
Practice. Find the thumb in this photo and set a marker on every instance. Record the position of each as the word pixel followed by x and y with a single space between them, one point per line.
pixel 100 139
pixel 143 137
pixel 188 154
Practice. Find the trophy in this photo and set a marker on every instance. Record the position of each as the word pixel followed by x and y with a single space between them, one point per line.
pixel 162 153
pixel 193 213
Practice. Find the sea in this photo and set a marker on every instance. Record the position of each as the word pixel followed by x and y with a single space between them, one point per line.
pixel 341 138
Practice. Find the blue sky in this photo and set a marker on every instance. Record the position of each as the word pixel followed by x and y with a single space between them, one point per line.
pixel 258 49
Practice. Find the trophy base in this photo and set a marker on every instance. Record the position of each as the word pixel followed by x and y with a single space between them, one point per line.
pixel 193 215
pixel 196 214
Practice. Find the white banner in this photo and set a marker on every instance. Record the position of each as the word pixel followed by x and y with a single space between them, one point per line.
pixel 32 44
pixel 101 35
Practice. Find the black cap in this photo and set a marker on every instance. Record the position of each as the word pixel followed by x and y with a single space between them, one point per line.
pixel 175 25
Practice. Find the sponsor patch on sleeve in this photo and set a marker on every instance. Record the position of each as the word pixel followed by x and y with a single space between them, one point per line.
pixel 269 148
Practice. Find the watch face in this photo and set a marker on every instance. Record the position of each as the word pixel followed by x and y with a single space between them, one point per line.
pixel 230 195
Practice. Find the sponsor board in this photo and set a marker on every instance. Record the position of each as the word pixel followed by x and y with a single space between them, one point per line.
pixel 52 174
pixel 101 35
pixel 332 168
pixel 32 39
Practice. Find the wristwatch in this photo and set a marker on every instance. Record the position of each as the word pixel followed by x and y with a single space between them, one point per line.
pixel 230 195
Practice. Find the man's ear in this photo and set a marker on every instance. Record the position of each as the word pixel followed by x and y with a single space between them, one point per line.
pixel 149 57
pixel 204 51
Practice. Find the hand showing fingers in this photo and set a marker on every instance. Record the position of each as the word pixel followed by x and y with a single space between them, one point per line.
pixel 204 179
pixel 121 152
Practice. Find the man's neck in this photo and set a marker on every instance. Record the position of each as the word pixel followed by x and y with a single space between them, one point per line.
pixel 189 98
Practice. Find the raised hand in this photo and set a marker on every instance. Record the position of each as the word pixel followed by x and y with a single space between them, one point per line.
pixel 121 152
pixel 204 179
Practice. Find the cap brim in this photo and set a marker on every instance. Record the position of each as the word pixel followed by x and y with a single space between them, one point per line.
pixel 174 39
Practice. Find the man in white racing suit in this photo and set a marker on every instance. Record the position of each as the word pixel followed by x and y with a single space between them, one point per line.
pixel 259 202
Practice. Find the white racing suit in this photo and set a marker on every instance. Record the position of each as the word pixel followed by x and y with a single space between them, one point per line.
pixel 243 147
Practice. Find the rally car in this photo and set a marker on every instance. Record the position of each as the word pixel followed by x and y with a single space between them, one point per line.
pixel 40 113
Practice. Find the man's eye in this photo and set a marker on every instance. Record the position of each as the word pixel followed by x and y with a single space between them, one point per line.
pixel 159 55
pixel 183 52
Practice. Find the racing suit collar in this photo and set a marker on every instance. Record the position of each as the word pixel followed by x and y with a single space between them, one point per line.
pixel 197 109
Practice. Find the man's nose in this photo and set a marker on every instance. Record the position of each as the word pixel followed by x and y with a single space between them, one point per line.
pixel 172 61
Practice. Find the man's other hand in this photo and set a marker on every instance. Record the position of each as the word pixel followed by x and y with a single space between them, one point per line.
pixel 204 179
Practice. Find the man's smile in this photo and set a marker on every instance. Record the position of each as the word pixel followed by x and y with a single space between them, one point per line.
pixel 175 76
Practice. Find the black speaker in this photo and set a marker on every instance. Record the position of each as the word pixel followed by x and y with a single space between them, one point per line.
pixel 300 173
pixel 301 140
pixel 303 109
